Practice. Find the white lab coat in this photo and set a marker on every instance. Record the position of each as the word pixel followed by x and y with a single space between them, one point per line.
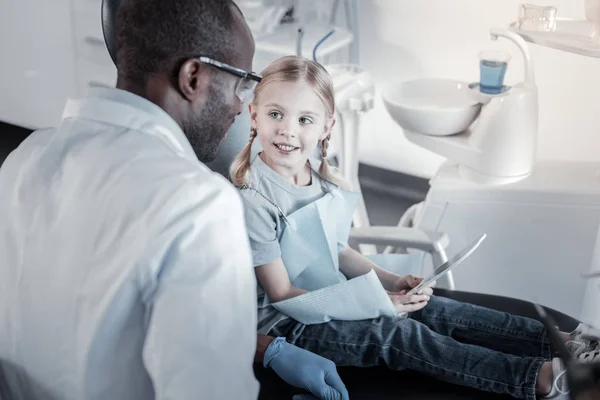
pixel 125 268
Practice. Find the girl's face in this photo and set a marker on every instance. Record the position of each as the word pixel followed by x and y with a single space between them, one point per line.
pixel 290 121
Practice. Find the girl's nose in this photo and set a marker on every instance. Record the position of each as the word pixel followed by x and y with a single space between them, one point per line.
pixel 288 129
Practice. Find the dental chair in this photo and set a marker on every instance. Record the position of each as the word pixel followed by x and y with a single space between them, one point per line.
pixel 377 383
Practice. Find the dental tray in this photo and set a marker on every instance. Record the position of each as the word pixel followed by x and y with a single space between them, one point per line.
pixel 571 35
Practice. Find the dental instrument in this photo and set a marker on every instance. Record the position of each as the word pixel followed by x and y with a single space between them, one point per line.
pixel 275 26
pixel 324 38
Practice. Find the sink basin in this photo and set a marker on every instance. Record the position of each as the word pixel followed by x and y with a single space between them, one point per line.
pixel 436 107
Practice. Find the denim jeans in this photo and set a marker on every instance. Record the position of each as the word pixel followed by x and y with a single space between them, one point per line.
pixel 453 341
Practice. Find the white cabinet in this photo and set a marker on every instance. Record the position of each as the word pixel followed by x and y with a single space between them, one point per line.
pixel 51 50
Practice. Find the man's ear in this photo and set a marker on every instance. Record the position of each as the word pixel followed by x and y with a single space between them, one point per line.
pixel 193 79
pixel 328 127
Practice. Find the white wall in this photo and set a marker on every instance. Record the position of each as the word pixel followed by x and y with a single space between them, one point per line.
pixel 406 39
pixel 51 50
pixel 37 61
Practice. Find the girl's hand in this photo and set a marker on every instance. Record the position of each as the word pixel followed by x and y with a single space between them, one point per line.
pixel 405 303
pixel 407 282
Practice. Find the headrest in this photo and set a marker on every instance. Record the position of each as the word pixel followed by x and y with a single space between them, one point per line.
pixel 109 18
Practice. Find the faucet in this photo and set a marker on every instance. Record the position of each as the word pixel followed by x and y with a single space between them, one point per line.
pixel 529 76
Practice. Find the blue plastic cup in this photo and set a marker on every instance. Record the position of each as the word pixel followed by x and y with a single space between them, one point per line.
pixel 492 69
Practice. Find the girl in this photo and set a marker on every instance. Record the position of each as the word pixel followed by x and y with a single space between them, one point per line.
pixel 296 207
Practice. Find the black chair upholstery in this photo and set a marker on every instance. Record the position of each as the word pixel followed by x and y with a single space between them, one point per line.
pixel 381 383
pixel 377 383
pixel 109 18
pixel 3 386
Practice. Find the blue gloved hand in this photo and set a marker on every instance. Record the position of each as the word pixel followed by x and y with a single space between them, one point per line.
pixel 305 370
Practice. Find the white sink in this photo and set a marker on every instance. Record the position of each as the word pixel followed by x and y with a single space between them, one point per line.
pixel 436 107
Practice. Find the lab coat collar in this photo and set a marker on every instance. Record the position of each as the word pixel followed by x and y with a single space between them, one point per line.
pixel 119 107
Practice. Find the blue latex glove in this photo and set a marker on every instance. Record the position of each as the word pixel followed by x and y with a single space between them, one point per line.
pixel 305 370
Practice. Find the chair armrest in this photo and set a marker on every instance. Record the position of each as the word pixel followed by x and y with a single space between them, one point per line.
pixel 431 242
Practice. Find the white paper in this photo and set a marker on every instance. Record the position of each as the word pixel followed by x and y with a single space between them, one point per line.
pixel 360 298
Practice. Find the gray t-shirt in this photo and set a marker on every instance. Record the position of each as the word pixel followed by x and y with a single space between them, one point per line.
pixel 264 223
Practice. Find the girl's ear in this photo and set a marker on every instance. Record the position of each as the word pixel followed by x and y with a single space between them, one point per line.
pixel 328 127
pixel 253 111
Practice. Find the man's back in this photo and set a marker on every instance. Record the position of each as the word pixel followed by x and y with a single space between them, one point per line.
pixel 125 270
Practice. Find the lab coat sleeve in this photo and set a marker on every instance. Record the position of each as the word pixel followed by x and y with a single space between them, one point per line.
pixel 201 334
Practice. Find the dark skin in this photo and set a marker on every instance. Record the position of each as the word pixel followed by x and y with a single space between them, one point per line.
pixel 184 98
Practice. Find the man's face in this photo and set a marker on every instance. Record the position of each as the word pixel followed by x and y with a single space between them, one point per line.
pixel 212 117
pixel 208 125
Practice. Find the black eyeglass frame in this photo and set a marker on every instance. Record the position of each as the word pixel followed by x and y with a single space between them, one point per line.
pixel 232 70
pixel 227 68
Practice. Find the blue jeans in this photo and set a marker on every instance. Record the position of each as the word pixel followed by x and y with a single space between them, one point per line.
pixel 453 341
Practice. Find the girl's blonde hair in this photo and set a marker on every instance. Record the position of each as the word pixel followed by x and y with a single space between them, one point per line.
pixel 291 69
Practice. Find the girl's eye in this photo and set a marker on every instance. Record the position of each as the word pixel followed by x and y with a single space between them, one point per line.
pixel 275 114
pixel 305 120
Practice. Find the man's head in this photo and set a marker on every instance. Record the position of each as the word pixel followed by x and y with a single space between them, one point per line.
pixel 166 52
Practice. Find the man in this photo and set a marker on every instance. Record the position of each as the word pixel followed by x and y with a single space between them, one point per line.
pixel 125 264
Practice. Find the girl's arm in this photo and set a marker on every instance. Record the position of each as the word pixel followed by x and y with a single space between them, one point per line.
pixel 274 279
pixel 353 264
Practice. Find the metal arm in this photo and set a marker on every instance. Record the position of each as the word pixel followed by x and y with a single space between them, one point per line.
pixel 434 243
pixel 431 242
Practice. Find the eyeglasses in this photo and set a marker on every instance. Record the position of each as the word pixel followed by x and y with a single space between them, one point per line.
pixel 245 86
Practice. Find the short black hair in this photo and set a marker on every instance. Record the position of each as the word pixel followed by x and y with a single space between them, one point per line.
pixel 154 35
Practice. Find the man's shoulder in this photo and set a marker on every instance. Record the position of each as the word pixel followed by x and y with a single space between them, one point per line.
pixel 194 182
pixel 212 182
